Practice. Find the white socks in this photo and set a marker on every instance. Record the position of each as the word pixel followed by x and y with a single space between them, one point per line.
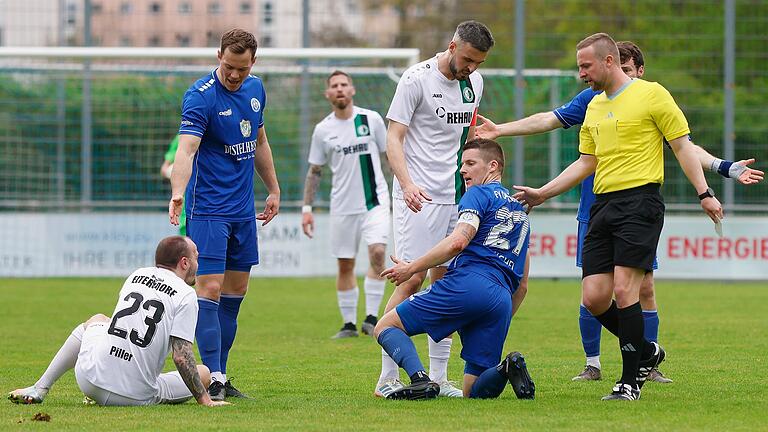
pixel 63 361
pixel 374 292
pixel 389 369
pixel 594 361
pixel 348 304
pixel 439 353
pixel 218 376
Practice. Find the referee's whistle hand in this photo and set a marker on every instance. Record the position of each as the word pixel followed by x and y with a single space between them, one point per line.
pixel 713 209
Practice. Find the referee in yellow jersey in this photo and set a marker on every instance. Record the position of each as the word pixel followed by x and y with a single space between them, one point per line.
pixel 622 142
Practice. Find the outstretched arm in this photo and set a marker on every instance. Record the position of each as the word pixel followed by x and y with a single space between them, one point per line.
pixel 570 177
pixel 736 170
pixel 534 124
pixel 185 364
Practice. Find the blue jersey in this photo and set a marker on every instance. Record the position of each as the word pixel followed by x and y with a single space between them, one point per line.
pixel 221 185
pixel 500 246
pixel 570 114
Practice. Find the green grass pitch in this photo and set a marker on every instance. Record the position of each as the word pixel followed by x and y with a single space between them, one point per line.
pixel 716 336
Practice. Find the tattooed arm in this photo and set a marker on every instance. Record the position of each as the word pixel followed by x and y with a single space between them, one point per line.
pixel 310 189
pixel 185 364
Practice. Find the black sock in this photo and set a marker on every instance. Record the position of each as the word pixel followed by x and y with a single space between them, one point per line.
pixel 610 319
pixel 630 341
pixel 420 376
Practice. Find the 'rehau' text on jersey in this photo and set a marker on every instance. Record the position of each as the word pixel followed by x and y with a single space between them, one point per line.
pixel 438 112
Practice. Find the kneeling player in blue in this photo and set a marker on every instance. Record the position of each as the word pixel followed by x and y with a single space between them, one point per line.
pixel 483 288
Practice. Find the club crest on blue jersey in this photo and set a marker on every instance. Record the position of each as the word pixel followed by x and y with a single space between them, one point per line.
pixel 245 128
pixel 255 105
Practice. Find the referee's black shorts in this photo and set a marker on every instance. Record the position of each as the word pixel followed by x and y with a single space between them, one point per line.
pixel 624 230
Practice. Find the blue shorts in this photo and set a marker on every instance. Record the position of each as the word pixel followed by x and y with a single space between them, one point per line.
pixel 224 245
pixel 580 246
pixel 478 308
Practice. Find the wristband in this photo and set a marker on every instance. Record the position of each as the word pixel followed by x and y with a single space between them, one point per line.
pixel 724 168
pixel 306 209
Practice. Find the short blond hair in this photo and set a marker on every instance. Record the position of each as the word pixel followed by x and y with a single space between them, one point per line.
pixel 603 43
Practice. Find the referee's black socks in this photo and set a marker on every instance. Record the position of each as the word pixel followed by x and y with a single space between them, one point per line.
pixel 631 341
pixel 610 319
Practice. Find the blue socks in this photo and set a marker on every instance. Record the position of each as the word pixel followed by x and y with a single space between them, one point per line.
pixel 401 349
pixel 590 329
pixel 208 333
pixel 489 384
pixel 229 307
pixel 651 322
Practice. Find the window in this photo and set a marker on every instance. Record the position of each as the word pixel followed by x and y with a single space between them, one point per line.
pixel 266 41
pixel 245 8
pixel 71 14
pixel 182 40
pixel 212 39
pixel 214 8
pixel 185 8
pixel 155 7
pixel 154 41
pixel 96 8
pixel 126 8
pixel 126 41
pixel 268 12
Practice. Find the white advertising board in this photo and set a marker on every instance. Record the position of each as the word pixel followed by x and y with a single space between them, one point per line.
pixel 114 244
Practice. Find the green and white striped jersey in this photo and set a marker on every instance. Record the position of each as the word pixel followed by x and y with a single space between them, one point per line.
pixel 351 148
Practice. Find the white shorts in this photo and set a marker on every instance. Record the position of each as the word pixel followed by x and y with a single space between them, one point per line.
pixel 417 233
pixel 171 387
pixel 347 230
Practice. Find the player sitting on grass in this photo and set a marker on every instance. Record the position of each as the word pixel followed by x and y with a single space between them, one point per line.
pixel 116 362
pixel 482 289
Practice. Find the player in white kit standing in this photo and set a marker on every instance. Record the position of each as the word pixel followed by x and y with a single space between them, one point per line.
pixel 349 140
pixel 118 361
pixel 432 113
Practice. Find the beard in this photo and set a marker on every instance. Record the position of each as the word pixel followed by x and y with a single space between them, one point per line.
pixel 340 103
pixel 456 73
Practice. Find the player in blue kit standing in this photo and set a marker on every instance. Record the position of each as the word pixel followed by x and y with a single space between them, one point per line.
pixel 221 140
pixel 477 297
pixel 571 114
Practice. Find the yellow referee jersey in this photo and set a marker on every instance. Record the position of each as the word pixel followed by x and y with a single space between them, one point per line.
pixel 625 133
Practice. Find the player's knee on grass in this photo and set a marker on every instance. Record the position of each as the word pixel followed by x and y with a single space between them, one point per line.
pixel 205 375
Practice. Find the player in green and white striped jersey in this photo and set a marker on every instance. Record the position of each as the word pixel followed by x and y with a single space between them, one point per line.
pixel 350 140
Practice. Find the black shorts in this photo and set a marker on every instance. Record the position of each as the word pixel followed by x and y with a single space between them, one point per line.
pixel 624 230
